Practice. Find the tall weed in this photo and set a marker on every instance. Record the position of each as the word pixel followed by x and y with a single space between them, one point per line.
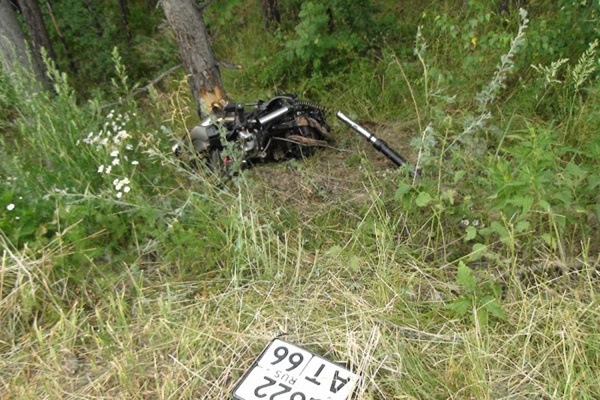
pixel 497 188
pixel 567 92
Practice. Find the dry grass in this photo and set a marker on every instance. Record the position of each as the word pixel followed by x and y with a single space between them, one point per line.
pixel 157 338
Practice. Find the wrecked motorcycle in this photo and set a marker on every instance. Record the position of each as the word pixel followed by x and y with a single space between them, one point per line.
pixel 279 129
pixel 282 128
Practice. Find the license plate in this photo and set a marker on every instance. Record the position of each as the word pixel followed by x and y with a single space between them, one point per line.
pixel 285 371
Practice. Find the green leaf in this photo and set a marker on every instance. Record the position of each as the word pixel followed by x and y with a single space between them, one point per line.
pixel 402 190
pixel 477 251
pixel 482 316
pixel 545 205
pixel 492 305
pixel 460 307
pixel 449 195
pixel 549 239
pixel 465 278
pixel 499 229
pixel 575 170
pixel 565 197
pixel 334 250
pixel 471 233
pixel 522 226
pixel 423 199
pixel 458 175
pixel 593 181
pixel 525 202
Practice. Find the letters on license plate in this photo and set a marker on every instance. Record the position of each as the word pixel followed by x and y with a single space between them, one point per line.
pixel 287 372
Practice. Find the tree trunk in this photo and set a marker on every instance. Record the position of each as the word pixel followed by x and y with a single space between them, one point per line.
pixel 125 19
pixel 14 52
pixel 270 11
pixel 32 14
pixel 185 20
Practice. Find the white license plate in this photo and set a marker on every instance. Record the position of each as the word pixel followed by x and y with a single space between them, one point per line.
pixel 287 372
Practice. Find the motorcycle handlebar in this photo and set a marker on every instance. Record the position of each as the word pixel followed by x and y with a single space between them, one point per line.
pixel 377 143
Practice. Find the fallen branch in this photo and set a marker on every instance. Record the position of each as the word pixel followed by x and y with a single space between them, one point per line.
pixel 144 88
pixel 154 81
pixel 160 77
pixel 168 72
pixel 229 65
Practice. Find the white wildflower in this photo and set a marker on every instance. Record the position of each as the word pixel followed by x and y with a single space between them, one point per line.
pixel 108 169
pixel 101 169
pixel 10 207
pixel 116 161
pixel 135 162
pixel 119 194
pixel 114 153
pixel 126 189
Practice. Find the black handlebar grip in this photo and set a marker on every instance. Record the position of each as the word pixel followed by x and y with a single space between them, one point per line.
pixel 378 144
pixel 396 158
pixel 382 146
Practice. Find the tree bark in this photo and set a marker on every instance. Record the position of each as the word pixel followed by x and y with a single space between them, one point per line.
pixel 14 51
pixel 61 38
pixel 32 14
pixel 185 20
pixel 270 11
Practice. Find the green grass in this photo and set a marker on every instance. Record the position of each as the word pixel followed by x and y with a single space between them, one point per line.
pixel 346 280
pixel 147 334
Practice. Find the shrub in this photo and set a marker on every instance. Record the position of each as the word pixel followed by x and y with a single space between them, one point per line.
pixel 332 32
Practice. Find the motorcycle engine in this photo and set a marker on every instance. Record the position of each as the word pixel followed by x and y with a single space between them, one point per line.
pixel 249 143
